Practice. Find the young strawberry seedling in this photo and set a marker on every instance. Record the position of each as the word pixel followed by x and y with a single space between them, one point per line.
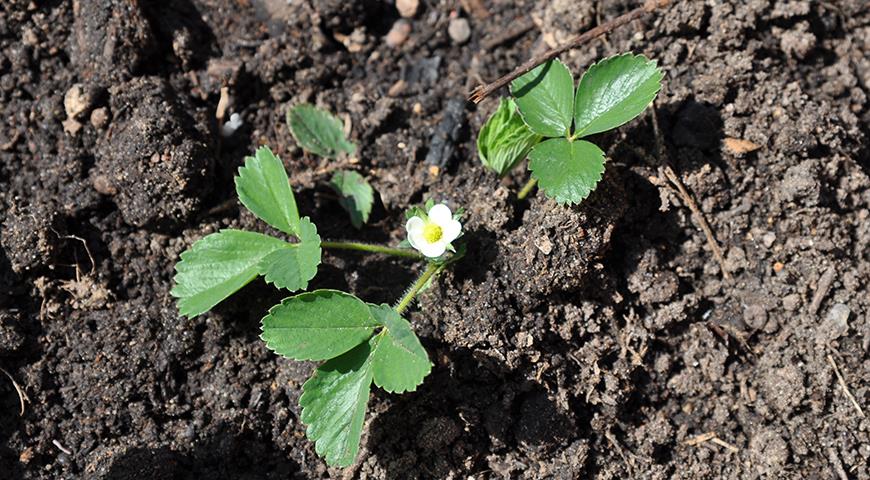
pixel 359 343
pixel 554 117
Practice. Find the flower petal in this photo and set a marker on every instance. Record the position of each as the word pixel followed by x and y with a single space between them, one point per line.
pixel 440 214
pixel 433 250
pixel 450 230
pixel 414 226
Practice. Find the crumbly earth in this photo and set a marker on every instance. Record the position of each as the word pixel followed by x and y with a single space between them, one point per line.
pixel 600 341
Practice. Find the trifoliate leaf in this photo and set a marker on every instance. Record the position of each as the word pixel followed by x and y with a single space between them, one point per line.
pixel 614 91
pixel 218 265
pixel 566 171
pixel 399 361
pixel 263 187
pixel 292 266
pixel 318 132
pixel 334 404
pixel 357 196
pixel 317 325
pixel 505 140
pixel 545 97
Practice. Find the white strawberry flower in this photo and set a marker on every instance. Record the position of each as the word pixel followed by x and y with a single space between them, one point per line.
pixel 432 235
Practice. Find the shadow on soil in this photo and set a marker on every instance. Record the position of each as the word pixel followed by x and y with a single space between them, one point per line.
pixel 225 455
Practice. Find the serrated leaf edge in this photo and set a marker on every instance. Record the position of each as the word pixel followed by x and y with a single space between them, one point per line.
pixel 655 94
pixel 562 201
pixel 573 94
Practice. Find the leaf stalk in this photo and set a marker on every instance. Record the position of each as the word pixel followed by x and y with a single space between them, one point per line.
pixel 527 189
pixel 372 248
pixel 412 292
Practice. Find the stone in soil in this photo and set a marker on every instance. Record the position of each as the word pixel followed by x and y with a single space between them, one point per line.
pixel 459 30
pixel 407 8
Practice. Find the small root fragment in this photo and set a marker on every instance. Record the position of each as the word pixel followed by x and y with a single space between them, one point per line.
pixel 825 282
pixel 22 395
pixel 712 438
pixel 668 172
pixel 845 387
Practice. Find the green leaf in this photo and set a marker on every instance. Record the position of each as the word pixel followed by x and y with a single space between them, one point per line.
pixel 399 361
pixel 334 404
pixel 545 96
pixel 217 266
pixel 566 171
pixel 318 131
pixel 292 266
pixel 317 325
pixel 263 187
pixel 614 91
pixel 357 196
pixel 505 140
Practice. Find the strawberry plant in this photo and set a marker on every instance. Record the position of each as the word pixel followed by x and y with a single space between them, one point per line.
pixel 359 343
pixel 548 121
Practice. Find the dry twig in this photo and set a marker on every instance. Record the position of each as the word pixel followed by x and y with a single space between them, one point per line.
pixel 710 437
pixel 699 439
pixel 683 193
pixel 699 217
pixel 838 465
pixel 484 91
pixel 723 443
pixel 22 395
pixel 845 387
pixel 825 282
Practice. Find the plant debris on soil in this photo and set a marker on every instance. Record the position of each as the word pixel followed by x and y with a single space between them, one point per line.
pixel 599 341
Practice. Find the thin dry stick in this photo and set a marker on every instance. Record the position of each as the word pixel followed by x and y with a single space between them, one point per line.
pixel 484 91
pixel 825 282
pixel 845 387
pixel 687 198
pixel 838 465
pixel 698 439
pixel 723 443
pixel 710 437
pixel 699 217
pixel 22 396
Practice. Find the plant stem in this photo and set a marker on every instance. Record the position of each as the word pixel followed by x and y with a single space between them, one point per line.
pixel 368 247
pixel 530 185
pixel 412 292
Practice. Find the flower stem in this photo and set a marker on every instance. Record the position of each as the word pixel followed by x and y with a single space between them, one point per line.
pixel 530 185
pixel 412 292
pixel 368 247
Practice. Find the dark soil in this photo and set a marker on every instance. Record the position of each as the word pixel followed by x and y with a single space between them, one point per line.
pixel 590 342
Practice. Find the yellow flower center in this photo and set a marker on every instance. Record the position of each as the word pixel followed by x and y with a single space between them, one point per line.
pixel 432 232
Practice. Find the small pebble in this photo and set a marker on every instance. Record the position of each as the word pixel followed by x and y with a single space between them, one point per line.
pixel 103 185
pixel 100 118
pixel 407 8
pixel 399 33
pixel 29 38
pixel 77 101
pixel 459 30
pixel 232 125
pixel 791 302
pixel 836 323
pixel 71 126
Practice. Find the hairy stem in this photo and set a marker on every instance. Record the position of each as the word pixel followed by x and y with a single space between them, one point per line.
pixel 412 292
pixel 368 247
pixel 530 185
